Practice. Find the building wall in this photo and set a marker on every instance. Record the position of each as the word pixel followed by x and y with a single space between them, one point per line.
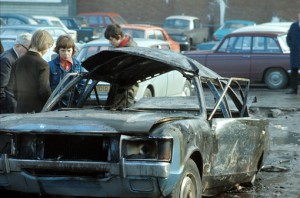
pixel 154 11
pixel 65 8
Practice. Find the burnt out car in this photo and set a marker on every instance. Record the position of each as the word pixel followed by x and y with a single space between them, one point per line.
pixel 180 146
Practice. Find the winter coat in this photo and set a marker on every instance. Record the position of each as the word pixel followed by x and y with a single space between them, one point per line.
pixel 293 41
pixel 57 73
pixel 8 103
pixel 32 82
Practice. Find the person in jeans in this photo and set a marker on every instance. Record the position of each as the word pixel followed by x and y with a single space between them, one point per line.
pixel 63 64
pixel 293 41
pixel 8 102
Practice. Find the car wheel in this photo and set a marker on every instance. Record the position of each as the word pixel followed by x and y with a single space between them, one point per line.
pixel 147 93
pixel 189 185
pixel 276 78
pixel 187 89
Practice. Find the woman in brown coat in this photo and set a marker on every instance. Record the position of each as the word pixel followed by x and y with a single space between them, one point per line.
pixel 32 75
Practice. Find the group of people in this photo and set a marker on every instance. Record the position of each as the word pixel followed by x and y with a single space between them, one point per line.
pixel 27 80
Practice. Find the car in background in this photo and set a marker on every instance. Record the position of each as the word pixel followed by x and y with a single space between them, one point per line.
pixel 207 45
pixel 229 26
pixel 165 146
pixel 14 30
pixel 55 21
pixel 258 53
pixel 84 32
pixel 95 46
pixel 278 24
pixel 150 32
pixel 100 20
pixel 263 28
pixel 17 19
pixel 148 88
pixel 7 42
pixel 188 31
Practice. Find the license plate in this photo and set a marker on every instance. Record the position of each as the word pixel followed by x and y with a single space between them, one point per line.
pixel 103 88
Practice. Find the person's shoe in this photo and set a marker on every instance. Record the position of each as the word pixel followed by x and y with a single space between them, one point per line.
pixel 291 92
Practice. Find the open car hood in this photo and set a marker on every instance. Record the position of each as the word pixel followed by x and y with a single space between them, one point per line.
pixel 129 65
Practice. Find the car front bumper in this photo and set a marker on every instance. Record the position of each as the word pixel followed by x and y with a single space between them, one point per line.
pixel 126 178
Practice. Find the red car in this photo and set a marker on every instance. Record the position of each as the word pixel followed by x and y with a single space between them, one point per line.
pixel 257 53
pixel 150 32
pixel 99 20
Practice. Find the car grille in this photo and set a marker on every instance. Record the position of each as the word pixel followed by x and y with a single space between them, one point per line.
pixel 66 147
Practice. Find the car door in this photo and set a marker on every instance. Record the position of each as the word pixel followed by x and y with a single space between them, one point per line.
pixel 232 58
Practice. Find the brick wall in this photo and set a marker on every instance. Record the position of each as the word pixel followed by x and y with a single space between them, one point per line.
pixel 154 11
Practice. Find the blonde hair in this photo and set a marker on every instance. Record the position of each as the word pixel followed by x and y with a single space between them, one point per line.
pixel 41 40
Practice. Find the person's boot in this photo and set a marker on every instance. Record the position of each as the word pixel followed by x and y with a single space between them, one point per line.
pixel 292 91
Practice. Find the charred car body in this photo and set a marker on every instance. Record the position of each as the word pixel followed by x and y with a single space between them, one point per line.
pixel 181 146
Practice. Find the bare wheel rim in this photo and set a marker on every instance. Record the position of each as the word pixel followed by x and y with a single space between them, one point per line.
pixel 188 189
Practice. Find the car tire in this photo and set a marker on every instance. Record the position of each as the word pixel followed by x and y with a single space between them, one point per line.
pixel 187 89
pixel 189 185
pixel 276 78
pixel 147 93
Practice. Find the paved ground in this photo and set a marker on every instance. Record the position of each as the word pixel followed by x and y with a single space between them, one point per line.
pixel 275 99
pixel 280 176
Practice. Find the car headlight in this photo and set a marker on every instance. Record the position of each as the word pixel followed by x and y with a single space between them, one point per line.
pixel 147 149
pixel 183 38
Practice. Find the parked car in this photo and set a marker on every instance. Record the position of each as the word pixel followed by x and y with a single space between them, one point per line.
pixel 95 46
pixel 7 42
pixel 150 32
pixel 179 146
pixel 188 31
pixel 84 33
pixel 55 21
pixel 14 30
pixel 257 53
pixel 229 26
pixel 207 45
pixel 148 88
pixel 100 20
pixel 17 19
pixel 278 24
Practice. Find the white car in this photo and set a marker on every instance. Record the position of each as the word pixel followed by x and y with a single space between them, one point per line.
pixel 55 21
pixel 176 84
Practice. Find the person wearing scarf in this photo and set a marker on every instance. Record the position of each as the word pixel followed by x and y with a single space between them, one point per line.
pixel 63 64
pixel 119 98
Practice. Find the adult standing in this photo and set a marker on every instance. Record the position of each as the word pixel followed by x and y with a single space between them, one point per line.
pixel 1 48
pixel 8 102
pixel 32 74
pixel 293 41
pixel 118 96
pixel 63 64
